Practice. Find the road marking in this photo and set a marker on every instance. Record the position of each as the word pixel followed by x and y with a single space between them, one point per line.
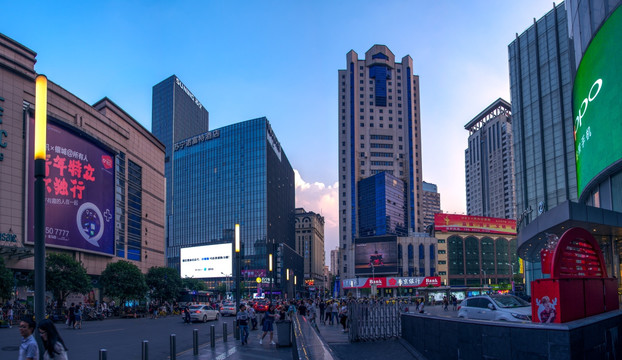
pixel 227 353
pixel 99 332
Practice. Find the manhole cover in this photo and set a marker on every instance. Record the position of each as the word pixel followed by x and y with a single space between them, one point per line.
pixel 10 348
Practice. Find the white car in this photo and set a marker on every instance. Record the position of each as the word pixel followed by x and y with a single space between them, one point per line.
pixel 203 313
pixel 495 307
pixel 228 308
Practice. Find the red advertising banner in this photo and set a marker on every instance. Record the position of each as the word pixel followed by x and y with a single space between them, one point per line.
pixel 392 282
pixel 481 224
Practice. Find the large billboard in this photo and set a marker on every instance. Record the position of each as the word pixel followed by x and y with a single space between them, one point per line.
pixel 79 192
pixel 480 224
pixel 376 255
pixel 208 261
pixel 596 104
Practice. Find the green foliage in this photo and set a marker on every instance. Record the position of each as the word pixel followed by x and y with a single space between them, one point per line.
pixel 124 281
pixel 65 275
pixel 164 283
pixel 6 281
pixel 193 284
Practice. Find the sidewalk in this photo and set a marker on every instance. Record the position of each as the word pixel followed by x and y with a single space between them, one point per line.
pixel 233 350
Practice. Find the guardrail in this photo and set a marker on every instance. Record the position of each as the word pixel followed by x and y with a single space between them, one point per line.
pixel 374 321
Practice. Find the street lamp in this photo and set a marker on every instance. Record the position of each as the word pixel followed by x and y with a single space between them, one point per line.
pixel 41 89
pixel 226 281
pixel 237 275
pixel 270 270
pixel 480 271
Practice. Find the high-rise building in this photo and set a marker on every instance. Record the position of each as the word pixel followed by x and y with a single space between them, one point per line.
pixel 489 163
pixel 310 245
pixel 379 131
pixel 176 114
pixel 382 206
pixel 431 203
pixel 334 261
pixel 567 173
pixel 238 174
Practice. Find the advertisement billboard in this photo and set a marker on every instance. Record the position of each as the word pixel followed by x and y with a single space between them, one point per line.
pixel 79 192
pixel 481 224
pixel 376 255
pixel 208 261
pixel 596 103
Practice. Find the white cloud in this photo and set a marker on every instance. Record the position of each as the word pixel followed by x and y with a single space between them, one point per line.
pixel 321 199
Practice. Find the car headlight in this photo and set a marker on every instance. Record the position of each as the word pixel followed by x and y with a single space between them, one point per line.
pixel 521 316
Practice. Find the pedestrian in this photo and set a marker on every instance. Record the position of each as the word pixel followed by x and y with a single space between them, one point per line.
pixel 28 349
pixel 9 314
pixel 72 316
pixel 343 316
pixel 421 306
pixel 323 312
pixel 334 309
pixel 242 317
pixel 186 315
pixel 53 345
pixel 253 315
pixel 267 325
pixel 328 315
pixel 78 317
pixel 445 303
pixel 454 302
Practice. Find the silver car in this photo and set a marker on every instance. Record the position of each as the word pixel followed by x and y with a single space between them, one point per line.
pixel 203 313
pixel 495 307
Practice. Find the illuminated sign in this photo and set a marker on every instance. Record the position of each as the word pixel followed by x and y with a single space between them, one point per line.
pixel 375 255
pixel 197 139
pixel 392 282
pixel 185 89
pixel 79 192
pixel 480 224
pixel 596 104
pixel 208 261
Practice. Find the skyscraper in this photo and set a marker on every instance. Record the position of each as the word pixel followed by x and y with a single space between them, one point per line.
pixel 379 131
pixel 176 115
pixel 489 163
pixel 238 174
pixel 310 245
pixel 431 203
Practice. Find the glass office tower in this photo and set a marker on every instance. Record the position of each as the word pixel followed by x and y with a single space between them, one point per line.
pixel 237 174
pixel 176 115
pixel 382 206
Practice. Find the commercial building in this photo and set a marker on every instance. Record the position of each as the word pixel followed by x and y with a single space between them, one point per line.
pixel 176 115
pixel 104 182
pixel 431 203
pixel 334 262
pixel 489 163
pixel 237 174
pixel 310 245
pixel 476 251
pixel 379 132
pixel 568 164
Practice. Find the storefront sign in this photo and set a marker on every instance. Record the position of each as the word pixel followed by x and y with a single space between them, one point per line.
pixel 392 282
pixel 481 224
pixel 8 237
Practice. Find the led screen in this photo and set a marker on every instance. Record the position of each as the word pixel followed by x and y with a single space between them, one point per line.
pixel 79 192
pixel 596 103
pixel 376 255
pixel 209 261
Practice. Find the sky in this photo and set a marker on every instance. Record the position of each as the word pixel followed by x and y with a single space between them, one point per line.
pixel 279 59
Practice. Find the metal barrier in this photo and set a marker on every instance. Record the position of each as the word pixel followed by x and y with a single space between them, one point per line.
pixel 373 321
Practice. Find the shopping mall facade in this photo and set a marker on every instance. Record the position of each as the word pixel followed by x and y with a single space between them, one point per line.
pixel 104 176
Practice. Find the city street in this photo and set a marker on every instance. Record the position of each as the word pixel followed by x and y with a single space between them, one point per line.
pixel 123 337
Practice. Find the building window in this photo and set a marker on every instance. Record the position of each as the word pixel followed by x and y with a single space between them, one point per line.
pixel 134 211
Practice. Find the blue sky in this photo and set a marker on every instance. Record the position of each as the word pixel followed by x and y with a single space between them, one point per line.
pixel 279 59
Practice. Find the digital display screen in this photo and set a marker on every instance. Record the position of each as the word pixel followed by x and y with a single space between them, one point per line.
pixel 208 261
pixel 376 255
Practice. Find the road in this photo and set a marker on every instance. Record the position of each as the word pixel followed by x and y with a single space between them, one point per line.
pixel 123 337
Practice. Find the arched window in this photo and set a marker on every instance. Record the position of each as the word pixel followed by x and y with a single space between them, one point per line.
pixel 400 261
pixel 432 260
pixel 471 258
pixel 421 260
pixel 503 258
pixel 488 256
pixel 455 255
pixel 411 260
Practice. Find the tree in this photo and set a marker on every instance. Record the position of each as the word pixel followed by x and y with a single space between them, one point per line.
pixel 123 280
pixel 164 283
pixel 65 275
pixel 193 284
pixel 6 281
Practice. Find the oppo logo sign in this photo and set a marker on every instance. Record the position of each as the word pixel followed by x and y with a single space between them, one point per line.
pixel 594 91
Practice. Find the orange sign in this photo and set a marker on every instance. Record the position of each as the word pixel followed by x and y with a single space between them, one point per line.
pixel 481 224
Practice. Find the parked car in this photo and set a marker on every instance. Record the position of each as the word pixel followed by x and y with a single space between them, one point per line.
pixel 495 307
pixel 228 308
pixel 261 306
pixel 203 313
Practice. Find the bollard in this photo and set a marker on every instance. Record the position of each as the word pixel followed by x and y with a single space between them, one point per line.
pixel 224 332
pixel 195 341
pixel 173 347
pixel 145 352
pixel 212 335
pixel 103 354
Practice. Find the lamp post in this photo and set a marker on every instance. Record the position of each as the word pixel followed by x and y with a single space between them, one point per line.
pixel 295 283
pixel 41 84
pixel 512 276
pixel 237 274
pixel 484 271
pixel 226 282
pixel 270 270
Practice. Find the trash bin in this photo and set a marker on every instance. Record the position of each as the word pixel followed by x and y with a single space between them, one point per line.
pixel 284 333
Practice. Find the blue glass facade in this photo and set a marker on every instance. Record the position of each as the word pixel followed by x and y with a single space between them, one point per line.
pixel 237 174
pixel 176 115
pixel 382 206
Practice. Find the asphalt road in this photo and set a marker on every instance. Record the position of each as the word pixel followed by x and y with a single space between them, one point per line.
pixel 123 338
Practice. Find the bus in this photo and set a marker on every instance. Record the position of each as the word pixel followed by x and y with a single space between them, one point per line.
pixel 190 296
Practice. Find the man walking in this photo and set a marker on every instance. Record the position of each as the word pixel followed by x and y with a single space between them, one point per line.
pixel 28 349
pixel 242 318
